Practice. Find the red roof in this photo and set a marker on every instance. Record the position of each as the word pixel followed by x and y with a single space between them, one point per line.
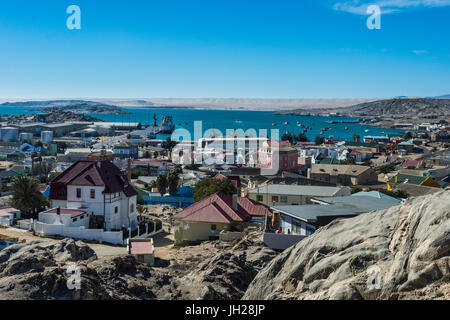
pixel 91 173
pixel 254 208
pixel 73 212
pixel 218 208
pixel 141 247
pixel 235 180
pixel 413 163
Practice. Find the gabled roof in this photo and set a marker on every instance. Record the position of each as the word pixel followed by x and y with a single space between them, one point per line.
pixel 91 173
pixel 218 208
pixel 408 178
pixel 254 208
pixel 376 194
pixel 351 170
pixel 413 163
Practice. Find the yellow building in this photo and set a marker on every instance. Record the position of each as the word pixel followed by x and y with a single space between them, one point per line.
pixel 425 181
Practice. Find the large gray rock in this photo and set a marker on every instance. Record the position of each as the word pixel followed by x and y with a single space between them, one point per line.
pixel 385 254
pixel 227 274
pixel 39 270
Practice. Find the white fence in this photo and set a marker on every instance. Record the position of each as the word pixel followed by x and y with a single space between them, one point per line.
pixel 78 233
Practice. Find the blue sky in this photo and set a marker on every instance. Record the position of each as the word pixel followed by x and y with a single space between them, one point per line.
pixel 224 49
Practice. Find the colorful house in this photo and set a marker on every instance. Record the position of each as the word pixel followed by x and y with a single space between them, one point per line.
pixel 206 219
pixel 411 179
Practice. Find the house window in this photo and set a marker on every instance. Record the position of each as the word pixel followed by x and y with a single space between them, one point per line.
pixel 116 209
pixel 92 193
pixel 78 193
pixel 81 217
pixel 274 198
pixel 213 227
pixel 284 199
pixel 132 208
pixel 259 198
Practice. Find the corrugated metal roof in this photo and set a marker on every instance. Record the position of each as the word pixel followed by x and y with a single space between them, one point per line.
pixel 317 191
pixel 340 206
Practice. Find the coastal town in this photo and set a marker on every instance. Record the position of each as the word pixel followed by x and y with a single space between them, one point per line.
pixel 125 193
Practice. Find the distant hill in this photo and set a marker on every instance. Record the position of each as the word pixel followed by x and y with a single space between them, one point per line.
pixel 68 105
pixel 417 107
pixel 407 107
pixel 446 96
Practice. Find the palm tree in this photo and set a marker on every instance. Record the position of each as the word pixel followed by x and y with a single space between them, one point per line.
pixel 26 196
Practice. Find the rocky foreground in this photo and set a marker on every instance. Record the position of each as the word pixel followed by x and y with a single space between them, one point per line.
pixel 408 246
pixel 38 270
pixel 399 253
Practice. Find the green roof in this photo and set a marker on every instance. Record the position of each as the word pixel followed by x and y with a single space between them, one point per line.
pixel 402 177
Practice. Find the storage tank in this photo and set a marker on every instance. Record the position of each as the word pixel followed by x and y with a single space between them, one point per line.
pixel 46 136
pixel 9 134
pixel 25 136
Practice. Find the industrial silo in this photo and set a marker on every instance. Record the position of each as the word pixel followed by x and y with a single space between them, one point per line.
pixel 9 134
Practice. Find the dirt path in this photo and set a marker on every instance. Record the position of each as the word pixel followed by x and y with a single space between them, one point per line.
pixel 102 250
pixel 163 243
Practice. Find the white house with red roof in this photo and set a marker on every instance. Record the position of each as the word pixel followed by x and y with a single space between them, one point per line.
pixel 98 188
pixel 206 219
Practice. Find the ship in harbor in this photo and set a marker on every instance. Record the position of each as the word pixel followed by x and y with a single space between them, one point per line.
pixel 166 126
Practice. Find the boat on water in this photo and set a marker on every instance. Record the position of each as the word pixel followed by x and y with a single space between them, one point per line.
pixel 367 130
pixel 274 124
pixel 166 126
pixel 346 128
pixel 286 123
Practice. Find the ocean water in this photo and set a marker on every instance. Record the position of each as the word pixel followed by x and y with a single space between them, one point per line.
pixel 234 119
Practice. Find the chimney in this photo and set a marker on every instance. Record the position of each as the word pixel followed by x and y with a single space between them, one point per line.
pixel 129 170
pixel 235 202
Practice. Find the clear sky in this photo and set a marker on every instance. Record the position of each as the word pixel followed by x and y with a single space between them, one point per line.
pixel 224 49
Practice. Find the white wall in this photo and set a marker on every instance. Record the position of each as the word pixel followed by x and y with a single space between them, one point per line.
pixel 79 233
pixel 66 219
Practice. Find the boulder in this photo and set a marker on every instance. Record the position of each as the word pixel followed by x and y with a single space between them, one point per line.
pixel 378 255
